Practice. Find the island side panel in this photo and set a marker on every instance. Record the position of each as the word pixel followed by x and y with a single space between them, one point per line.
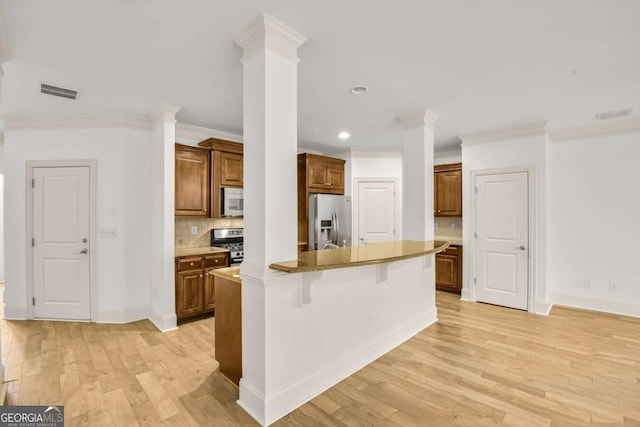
pixel 228 328
pixel 320 327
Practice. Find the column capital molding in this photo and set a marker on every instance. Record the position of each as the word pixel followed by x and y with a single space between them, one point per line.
pixel 265 32
pixel 425 118
pixel 165 113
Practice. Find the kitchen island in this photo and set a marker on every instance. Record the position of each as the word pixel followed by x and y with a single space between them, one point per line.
pixel 354 256
pixel 311 322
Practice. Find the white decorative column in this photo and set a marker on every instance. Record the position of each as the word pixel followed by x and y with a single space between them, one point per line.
pixel 417 175
pixel 162 310
pixel 270 189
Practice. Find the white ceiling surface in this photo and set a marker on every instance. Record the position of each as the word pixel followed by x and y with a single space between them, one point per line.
pixel 478 64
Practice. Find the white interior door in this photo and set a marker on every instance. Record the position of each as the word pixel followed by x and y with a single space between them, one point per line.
pixel 502 242
pixel 61 226
pixel 376 212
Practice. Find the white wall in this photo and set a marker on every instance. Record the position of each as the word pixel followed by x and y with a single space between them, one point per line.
pixel 447 157
pixel 522 152
pixel 364 164
pixel 122 203
pixel 594 223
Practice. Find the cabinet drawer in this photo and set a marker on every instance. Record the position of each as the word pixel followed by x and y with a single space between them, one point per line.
pixel 215 261
pixel 451 250
pixel 190 263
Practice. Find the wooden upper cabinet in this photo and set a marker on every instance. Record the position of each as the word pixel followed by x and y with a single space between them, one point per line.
pixel 324 174
pixel 231 170
pixel 192 181
pixel 227 169
pixel 447 183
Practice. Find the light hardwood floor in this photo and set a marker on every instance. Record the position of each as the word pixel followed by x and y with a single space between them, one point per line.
pixel 480 365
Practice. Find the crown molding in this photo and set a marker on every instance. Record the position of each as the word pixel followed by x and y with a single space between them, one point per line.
pixel 425 118
pixel 602 128
pixel 197 133
pixel 265 32
pixel 512 132
pixel 52 122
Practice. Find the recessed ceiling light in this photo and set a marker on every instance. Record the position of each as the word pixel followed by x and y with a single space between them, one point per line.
pixel 344 135
pixel 358 90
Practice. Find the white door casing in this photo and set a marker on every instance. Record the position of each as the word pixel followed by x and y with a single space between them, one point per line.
pixel 502 242
pixel 61 230
pixel 376 211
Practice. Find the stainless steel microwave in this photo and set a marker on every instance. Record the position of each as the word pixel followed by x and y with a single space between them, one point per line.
pixel 232 202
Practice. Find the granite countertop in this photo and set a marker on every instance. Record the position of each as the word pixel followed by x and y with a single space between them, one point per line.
pixel 204 250
pixel 453 240
pixel 352 256
pixel 229 273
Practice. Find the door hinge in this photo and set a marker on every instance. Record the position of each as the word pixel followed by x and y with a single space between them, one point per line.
pixel 33 301
pixel 33 242
pixel 475 235
pixel 476 190
pixel 475 281
pixel 33 183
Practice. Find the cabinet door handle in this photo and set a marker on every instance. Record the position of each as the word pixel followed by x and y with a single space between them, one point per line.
pixel 191 263
pixel 201 275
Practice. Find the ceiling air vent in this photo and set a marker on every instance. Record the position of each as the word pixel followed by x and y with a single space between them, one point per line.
pixel 58 91
pixel 613 114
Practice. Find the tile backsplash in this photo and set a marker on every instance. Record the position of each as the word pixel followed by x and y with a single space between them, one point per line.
pixel 184 238
pixel 443 226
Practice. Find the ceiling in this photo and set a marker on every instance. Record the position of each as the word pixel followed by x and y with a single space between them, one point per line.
pixel 479 64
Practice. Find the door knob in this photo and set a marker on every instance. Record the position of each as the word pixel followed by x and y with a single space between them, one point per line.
pixel 82 252
pixel 522 248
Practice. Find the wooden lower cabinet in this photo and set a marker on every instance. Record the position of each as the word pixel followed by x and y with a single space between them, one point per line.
pixel 209 290
pixel 449 269
pixel 189 301
pixel 194 286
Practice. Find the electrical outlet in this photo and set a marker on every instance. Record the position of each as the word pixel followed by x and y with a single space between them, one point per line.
pixel 579 283
pixel 587 284
pixel 108 233
pixel 612 287
pixel 435 225
pixel 453 225
pixel 194 230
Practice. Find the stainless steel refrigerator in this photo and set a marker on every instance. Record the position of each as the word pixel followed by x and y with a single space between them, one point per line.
pixel 329 221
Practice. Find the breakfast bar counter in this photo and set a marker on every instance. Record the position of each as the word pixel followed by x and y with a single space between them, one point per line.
pixel 353 256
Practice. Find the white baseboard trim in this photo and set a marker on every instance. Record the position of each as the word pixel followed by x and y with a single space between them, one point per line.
pixel 596 304
pixel 15 312
pixel 252 401
pixel 166 323
pixel 464 294
pixel 543 309
pixel 269 409
pixel 126 315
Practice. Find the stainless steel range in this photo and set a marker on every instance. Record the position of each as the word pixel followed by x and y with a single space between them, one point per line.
pixel 231 239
